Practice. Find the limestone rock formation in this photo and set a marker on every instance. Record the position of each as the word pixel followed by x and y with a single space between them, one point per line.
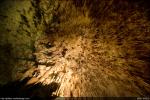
pixel 77 48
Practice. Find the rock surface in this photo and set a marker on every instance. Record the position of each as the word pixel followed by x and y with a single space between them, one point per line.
pixel 88 50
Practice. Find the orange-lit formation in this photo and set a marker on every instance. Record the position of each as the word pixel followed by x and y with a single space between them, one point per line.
pixel 76 48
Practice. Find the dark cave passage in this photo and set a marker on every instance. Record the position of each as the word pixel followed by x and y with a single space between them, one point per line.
pixel 74 48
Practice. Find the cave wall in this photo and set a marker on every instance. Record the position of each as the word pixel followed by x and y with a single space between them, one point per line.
pixel 98 48
pixel 22 23
pixel 10 37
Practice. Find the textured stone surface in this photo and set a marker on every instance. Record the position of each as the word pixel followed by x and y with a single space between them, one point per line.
pixel 88 50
